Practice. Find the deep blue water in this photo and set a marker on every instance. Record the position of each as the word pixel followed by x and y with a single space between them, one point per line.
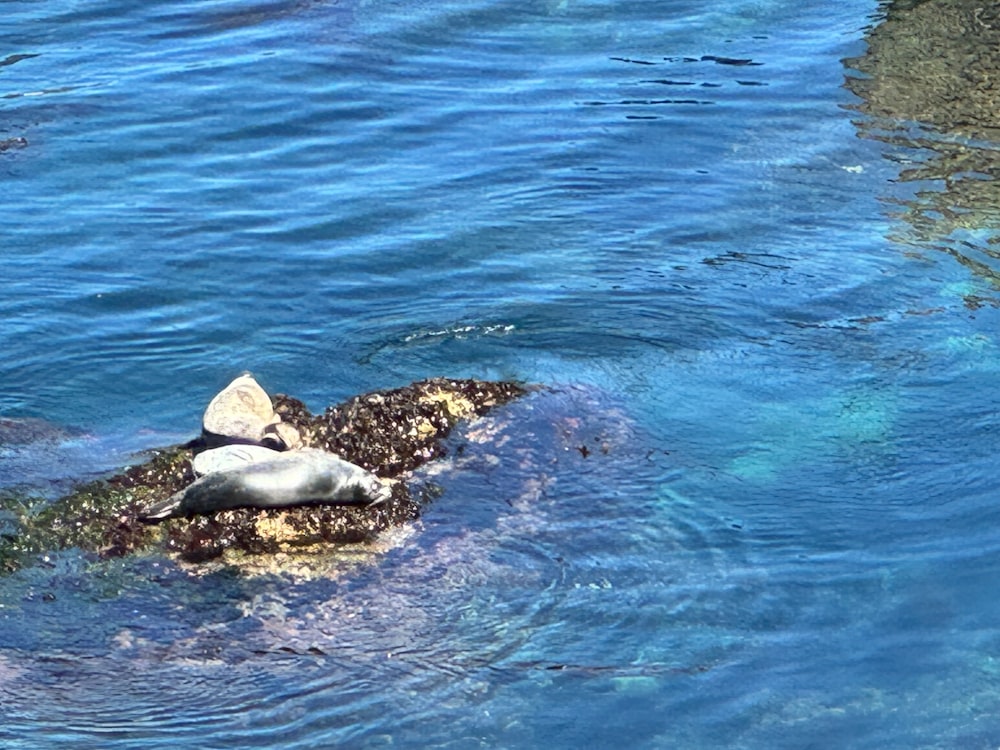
pixel 785 531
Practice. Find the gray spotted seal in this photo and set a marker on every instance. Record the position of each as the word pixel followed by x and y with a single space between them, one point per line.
pixel 304 477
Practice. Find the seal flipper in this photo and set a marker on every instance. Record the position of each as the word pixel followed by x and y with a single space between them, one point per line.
pixel 163 509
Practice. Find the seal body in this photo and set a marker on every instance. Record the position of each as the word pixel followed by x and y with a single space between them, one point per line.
pixel 304 477
pixel 229 457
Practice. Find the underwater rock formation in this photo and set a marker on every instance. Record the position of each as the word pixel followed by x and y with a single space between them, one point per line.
pixel 387 432
pixel 933 63
pixel 928 89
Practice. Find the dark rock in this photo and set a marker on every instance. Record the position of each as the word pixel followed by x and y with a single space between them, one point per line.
pixel 388 432
pixel 7 144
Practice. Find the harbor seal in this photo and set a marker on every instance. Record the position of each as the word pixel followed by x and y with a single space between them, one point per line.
pixel 305 477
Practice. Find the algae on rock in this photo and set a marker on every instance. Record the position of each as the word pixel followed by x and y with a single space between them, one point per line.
pixel 387 432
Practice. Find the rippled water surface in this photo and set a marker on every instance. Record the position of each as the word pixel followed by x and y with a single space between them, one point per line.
pixel 756 508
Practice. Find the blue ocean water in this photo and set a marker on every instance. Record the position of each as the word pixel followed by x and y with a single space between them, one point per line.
pixel 783 530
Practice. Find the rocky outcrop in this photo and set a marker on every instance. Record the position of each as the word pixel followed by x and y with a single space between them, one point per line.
pixel 388 433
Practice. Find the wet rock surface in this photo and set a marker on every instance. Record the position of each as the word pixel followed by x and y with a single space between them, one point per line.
pixel 49 459
pixel 388 432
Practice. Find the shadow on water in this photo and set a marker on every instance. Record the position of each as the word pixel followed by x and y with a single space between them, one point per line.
pixel 928 89
pixel 224 17
pixel 687 80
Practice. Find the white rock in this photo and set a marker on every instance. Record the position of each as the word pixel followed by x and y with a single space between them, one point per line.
pixel 240 413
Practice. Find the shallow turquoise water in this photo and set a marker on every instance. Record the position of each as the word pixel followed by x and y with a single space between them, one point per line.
pixel 784 532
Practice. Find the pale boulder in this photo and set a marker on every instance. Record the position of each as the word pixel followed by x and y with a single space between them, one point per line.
pixel 240 413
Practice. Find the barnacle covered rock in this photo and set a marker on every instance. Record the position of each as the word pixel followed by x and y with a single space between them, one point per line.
pixel 387 432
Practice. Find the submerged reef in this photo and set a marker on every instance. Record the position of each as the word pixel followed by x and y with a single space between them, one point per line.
pixel 389 433
pixel 927 89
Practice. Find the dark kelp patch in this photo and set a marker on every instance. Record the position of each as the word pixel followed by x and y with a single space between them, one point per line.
pixel 390 432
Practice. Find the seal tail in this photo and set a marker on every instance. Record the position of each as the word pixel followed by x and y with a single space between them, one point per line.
pixel 379 493
pixel 162 510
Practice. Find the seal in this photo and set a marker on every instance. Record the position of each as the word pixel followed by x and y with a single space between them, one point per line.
pixel 304 477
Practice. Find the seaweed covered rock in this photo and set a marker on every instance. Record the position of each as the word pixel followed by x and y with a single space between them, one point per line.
pixel 99 516
pixel 390 432
pixel 929 90
pixel 387 432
